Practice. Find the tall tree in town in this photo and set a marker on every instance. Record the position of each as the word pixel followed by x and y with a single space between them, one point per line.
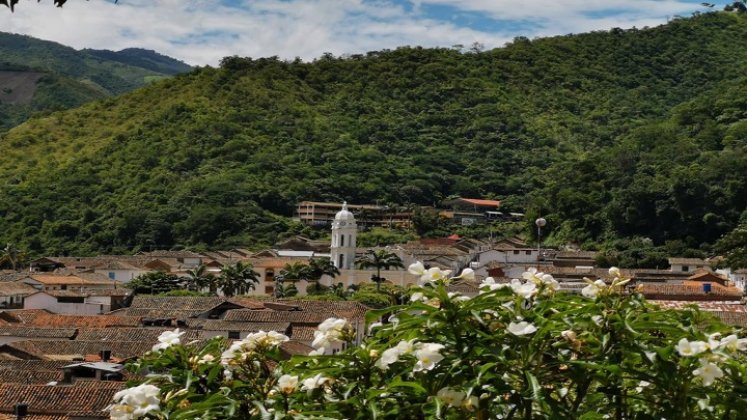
pixel 379 259
pixel 238 279
pixel 320 267
pixel 198 279
pixel 12 256
pixel 155 282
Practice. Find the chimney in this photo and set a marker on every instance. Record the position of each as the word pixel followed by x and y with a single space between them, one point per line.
pixel 105 355
pixel 21 410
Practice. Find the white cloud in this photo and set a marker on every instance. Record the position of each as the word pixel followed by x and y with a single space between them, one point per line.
pixel 202 32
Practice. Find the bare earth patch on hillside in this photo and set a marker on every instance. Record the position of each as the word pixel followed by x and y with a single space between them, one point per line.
pixel 18 87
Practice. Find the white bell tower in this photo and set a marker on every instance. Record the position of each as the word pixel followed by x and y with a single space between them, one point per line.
pixel 344 231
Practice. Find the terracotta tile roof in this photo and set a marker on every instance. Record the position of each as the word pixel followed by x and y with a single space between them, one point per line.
pixel 294 348
pixel 69 349
pixel 737 319
pixel 464 287
pixel 16 288
pixel 340 309
pixel 51 279
pixel 59 399
pixel 23 315
pixel 30 332
pixel 688 261
pixel 4 416
pixel 147 335
pixel 665 291
pixel 223 325
pixel 86 292
pixel 248 315
pixel 30 371
pixel 725 306
pixel 302 333
pixel 201 304
pixel 84 321
pixel 144 313
pixel 247 302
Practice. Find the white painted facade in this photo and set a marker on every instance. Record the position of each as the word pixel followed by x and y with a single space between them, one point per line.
pixel 120 275
pixel 344 232
pixel 92 305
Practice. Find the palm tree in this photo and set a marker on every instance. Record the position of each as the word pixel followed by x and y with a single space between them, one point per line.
pixel 238 279
pixel 198 279
pixel 379 259
pixel 320 267
pixel 11 255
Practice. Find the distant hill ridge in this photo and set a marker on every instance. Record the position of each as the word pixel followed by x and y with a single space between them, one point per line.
pixel 69 78
pixel 147 59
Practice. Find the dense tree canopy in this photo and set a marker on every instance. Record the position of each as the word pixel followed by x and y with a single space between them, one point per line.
pixel 639 133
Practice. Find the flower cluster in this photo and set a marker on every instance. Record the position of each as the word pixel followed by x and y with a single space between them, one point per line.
pixel 534 283
pixel 136 402
pixel 427 355
pixel 455 398
pixel 716 349
pixel 168 339
pixel 260 341
pixel 435 274
pixel 597 287
pixel 332 330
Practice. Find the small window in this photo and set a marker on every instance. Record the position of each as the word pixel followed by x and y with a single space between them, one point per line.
pixel 342 240
pixel 528 252
pixel 111 275
pixel 516 252
pixel 71 299
pixel 685 268
pixel 63 287
pixel 234 335
pixel 269 289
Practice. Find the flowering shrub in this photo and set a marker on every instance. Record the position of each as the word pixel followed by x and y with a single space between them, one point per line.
pixel 518 350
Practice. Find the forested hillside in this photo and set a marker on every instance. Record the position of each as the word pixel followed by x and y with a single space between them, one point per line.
pixel 639 133
pixel 70 78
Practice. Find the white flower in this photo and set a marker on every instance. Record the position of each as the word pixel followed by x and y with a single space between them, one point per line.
pixel 392 355
pixel 521 328
pixel 374 326
pixel 471 403
pixel 434 274
pixel 597 319
pixel 615 272
pixel 467 274
pixel 526 290
pixel 253 341
pixel 708 372
pixel 428 355
pixel 458 297
pixel 208 358
pixel 416 268
pixel 318 352
pixel 451 397
pixel 330 331
pixel 563 392
pixel 133 403
pixel 690 348
pixel 418 297
pixel 641 385
pixel 314 382
pixel 288 384
pixel 593 289
pixel 714 341
pixel 168 339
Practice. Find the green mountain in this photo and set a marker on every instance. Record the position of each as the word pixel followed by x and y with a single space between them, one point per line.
pixel 42 76
pixel 639 133
pixel 147 59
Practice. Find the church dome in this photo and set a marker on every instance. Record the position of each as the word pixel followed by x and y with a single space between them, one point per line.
pixel 344 214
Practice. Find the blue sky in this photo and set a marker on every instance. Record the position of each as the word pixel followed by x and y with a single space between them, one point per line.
pixel 203 31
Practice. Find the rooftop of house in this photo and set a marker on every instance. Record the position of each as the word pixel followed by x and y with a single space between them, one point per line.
pixel 83 321
pixel 59 399
pixel 16 289
pixel 687 261
pixel 73 350
pixel 36 332
pixel 664 291
pixel 49 279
